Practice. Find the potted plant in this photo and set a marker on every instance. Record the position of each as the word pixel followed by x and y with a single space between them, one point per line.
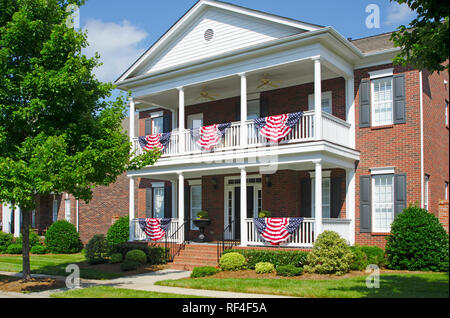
pixel 264 214
pixel 201 221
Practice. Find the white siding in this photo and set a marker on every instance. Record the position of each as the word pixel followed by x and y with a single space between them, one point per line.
pixel 231 32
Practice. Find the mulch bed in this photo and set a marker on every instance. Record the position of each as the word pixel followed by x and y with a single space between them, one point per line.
pixel 15 284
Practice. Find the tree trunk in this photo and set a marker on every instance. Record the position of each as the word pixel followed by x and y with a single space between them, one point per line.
pixel 25 230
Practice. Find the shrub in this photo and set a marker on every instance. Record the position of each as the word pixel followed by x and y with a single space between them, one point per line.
pixel 156 255
pixel 203 271
pixel 96 249
pixel 119 232
pixel 34 238
pixel 202 215
pixel 232 262
pixel 289 270
pixel 129 265
pixel 360 261
pixel 126 247
pixel 136 256
pixel 296 258
pixel 62 237
pixel 330 255
pixel 6 239
pixel 418 241
pixel 15 248
pixel 375 255
pixel 116 258
pixel 38 249
pixel 264 214
pixel 264 268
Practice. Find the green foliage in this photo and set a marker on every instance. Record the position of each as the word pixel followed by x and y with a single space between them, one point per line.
pixel 203 271
pixel 289 270
pixel 34 238
pixel 375 255
pixel 264 214
pixel 116 258
pixel 330 255
pixel 202 215
pixel 62 238
pixel 6 239
pixel 264 268
pixel 119 232
pixel 425 42
pixel 156 255
pixel 129 265
pixel 418 241
pixel 15 248
pixel 38 249
pixel 136 256
pixel 232 261
pixel 360 261
pixel 126 247
pixel 296 258
pixel 96 249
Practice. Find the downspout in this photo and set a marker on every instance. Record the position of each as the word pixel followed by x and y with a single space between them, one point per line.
pixel 422 169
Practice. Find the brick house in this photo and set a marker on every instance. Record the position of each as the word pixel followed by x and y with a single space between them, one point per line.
pixel 375 135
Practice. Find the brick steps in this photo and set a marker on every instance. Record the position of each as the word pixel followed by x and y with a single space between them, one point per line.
pixel 194 255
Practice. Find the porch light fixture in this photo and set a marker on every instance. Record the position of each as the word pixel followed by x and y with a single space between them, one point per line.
pixel 214 183
pixel 268 181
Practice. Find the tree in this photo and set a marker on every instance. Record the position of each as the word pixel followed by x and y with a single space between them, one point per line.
pixel 58 131
pixel 425 42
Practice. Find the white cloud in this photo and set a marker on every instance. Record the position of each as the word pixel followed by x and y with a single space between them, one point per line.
pixel 119 45
pixel 399 14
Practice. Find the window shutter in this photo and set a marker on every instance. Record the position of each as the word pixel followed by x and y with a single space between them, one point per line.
pixel 166 123
pixel 305 198
pixel 336 202
pixel 237 110
pixel 364 104
pixel 148 202
pixel 168 201
pixel 263 106
pixel 365 213
pixel 148 126
pixel 399 99
pixel 399 193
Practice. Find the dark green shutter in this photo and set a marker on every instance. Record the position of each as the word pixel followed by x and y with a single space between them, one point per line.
pixel 148 126
pixel 364 104
pixel 166 123
pixel 399 99
pixel 148 202
pixel 263 106
pixel 336 193
pixel 399 193
pixel 365 213
pixel 305 197
pixel 168 201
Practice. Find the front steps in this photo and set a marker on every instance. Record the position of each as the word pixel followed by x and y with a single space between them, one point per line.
pixel 195 255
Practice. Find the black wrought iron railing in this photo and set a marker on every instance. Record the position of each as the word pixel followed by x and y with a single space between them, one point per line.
pixel 176 242
pixel 228 239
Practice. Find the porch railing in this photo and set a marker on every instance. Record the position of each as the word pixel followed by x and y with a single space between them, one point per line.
pixel 172 232
pixel 302 237
pixel 176 241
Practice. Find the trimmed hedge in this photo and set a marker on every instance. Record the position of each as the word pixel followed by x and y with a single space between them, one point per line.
pixel 264 268
pixel 155 255
pixel 62 238
pixel 15 248
pixel 38 249
pixel 136 256
pixel 116 258
pixel 232 262
pixel 365 255
pixel 203 271
pixel 277 258
pixel 289 270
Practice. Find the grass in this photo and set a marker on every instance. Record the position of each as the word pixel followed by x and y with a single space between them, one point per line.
pixel 423 285
pixel 111 292
pixel 53 264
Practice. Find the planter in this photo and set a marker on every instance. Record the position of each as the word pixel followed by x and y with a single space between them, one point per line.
pixel 201 224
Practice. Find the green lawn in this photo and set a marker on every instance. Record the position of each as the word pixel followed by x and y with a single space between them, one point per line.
pixel 423 285
pixel 53 264
pixel 112 292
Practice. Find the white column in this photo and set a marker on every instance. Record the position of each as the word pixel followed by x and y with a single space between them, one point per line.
pixel 243 140
pixel 132 121
pixel 181 119
pixel 17 219
pixel 6 217
pixel 318 198
pixel 243 207
pixel 350 108
pixel 181 204
pixel 318 98
pixel 350 202
pixel 132 209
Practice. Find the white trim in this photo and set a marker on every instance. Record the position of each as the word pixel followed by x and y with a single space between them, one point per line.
pixel 372 101
pixel 157 114
pixel 381 73
pixel 325 95
pixel 422 165
pixel 383 170
pixel 374 229
pixel 157 184
pixel 195 182
pixel 325 174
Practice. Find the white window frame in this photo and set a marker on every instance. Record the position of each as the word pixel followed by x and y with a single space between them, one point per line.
pixel 425 192
pixel 67 210
pixel 157 116
pixel 325 95
pixel 372 101
pixel 376 229
pixel 446 113
pixel 55 210
pixel 154 201
pixel 446 190
pixel 191 118
pixel 194 210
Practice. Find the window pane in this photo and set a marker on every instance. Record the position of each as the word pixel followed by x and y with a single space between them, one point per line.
pixel 158 202
pixel 196 203
pixel 253 109
pixel 383 202
pixel 382 110
pixel 157 125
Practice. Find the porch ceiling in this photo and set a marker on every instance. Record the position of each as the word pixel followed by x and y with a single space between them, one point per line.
pixel 286 75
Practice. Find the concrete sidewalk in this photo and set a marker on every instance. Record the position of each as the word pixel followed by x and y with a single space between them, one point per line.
pixel 144 282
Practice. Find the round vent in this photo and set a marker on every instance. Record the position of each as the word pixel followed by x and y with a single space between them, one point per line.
pixel 209 34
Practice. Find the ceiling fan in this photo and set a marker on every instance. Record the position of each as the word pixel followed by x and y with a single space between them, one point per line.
pixel 266 81
pixel 204 94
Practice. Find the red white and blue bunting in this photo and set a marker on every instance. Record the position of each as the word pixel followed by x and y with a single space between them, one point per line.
pixel 155 229
pixel 276 128
pixel 209 137
pixel 156 141
pixel 277 230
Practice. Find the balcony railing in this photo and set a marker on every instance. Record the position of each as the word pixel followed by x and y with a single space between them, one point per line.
pixel 333 129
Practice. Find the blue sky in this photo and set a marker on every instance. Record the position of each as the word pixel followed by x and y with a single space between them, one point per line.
pixel 122 30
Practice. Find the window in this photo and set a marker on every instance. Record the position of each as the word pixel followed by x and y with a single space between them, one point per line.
pixel 327 104
pixel 446 191
pixel 195 121
pixel 253 109
pixel 326 197
pixel 157 123
pixel 196 203
pixel 446 113
pixel 382 203
pixel 425 195
pixel 55 210
pixel 67 209
pixel 382 101
pixel 158 202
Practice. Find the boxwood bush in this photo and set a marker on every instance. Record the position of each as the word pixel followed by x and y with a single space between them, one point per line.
pixel 15 248
pixel 119 232
pixel 96 250
pixel 289 270
pixel 62 238
pixel 264 268
pixel 136 256
pixel 203 271
pixel 253 256
pixel 38 249
pixel 116 258
pixel 232 262
pixel 418 241
pixel 6 239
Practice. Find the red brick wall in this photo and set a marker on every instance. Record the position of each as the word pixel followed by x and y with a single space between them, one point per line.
pixel 394 146
pixel 443 213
